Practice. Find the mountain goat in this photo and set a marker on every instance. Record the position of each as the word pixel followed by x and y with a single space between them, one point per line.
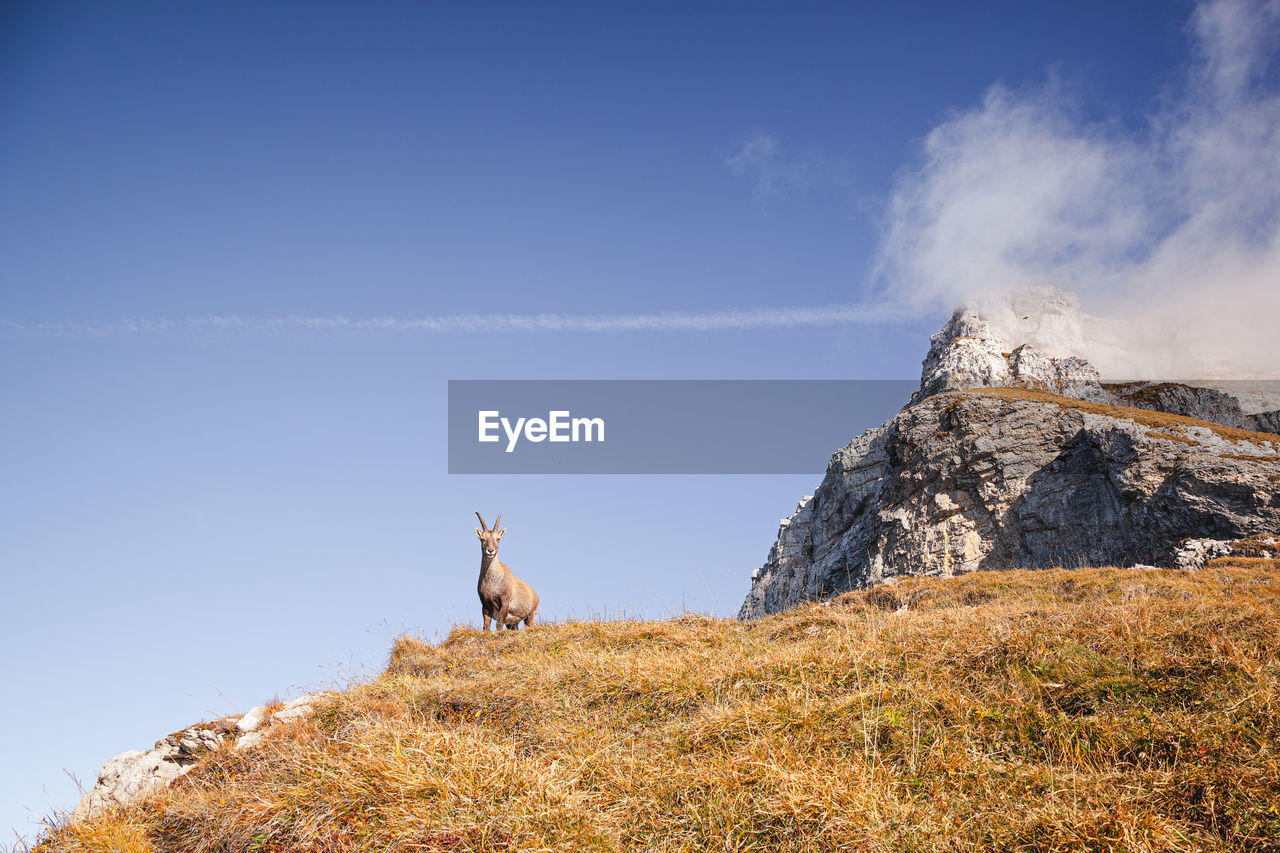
pixel 503 596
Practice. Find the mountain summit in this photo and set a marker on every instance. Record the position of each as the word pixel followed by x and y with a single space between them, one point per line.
pixel 1010 456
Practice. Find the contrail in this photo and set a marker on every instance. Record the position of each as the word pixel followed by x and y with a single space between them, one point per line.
pixel 729 319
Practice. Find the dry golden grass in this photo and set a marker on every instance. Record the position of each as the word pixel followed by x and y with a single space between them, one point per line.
pixel 1262 460
pixel 1095 709
pixel 115 832
pixel 1170 435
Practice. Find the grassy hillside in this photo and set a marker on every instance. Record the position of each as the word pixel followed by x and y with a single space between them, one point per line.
pixel 1058 710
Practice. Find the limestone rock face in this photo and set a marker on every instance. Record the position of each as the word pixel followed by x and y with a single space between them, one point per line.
pixel 1263 422
pixel 1207 404
pixel 966 354
pixel 1194 553
pixel 1068 377
pixel 853 477
pixel 132 775
pixel 992 480
pixel 962 354
pixel 794 537
pixel 1260 397
pixel 1012 453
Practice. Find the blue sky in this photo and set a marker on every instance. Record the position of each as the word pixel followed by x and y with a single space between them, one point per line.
pixel 201 513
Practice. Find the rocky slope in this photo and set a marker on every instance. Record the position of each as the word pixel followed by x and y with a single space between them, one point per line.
pixel 131 775
pixel 1009 459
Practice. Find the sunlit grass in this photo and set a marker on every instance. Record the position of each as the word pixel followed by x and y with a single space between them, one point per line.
pixel 1095 709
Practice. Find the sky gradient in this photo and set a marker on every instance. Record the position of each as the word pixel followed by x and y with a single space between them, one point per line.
pixel 244 246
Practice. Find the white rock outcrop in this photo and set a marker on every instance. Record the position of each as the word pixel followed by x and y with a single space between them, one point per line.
pixel 968 353
pixel 252 720
pixel 132 775
pixel 1194 553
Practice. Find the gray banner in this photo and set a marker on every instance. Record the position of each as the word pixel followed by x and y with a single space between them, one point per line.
pixel 661 426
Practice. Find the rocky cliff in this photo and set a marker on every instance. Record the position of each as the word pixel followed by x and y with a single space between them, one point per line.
pixel 1014 458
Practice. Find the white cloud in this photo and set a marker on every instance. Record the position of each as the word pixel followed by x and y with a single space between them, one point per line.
pixel 1171 233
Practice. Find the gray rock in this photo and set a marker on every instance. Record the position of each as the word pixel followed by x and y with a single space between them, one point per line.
pixel 1256 396
pixel 1068 377
pixel 794 536
pixel 853 477
pixel 1206 404
pixel 99 797
pixel 1263 422
pixel 134 774
pixel 965 481
pixel 252 719
pixel 1194 553
pixel 965 354
pixel 962 355
pixel 247 740
pixel 295 713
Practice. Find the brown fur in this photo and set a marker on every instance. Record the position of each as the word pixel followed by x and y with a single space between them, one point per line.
pixel 503 596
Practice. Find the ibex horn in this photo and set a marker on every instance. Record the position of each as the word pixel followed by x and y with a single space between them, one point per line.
pixel 499 521
pixel 483 526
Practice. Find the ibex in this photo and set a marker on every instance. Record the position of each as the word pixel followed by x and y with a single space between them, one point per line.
pixel 503 596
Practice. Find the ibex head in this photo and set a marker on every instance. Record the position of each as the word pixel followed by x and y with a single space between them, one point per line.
pixel 489 536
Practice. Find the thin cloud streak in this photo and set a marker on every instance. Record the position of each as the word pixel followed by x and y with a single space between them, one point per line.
pixel 731 319
pixel 760 161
